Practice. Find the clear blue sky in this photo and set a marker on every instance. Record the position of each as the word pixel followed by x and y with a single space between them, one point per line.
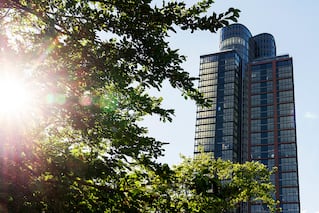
pixel 294 24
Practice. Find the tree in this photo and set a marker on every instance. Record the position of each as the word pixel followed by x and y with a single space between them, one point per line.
pixel 202 184
pixel 76 146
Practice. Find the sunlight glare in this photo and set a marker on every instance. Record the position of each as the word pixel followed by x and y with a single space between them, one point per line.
pixel 14 96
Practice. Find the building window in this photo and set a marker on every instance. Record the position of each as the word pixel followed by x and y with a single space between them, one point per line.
pixel 289 195
pixel 287 164
pixel 290 208
pixel 288 179
pixel 287 150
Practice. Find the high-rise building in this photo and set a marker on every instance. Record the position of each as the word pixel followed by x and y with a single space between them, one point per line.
pixel 252 116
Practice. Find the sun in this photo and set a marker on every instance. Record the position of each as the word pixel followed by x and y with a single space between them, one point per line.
pixel 15 97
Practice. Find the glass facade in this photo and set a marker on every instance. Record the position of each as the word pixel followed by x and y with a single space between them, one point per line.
pixel 252 117
pixel 217 127
pixel 236 37
pixel 263 45
pixel 272 127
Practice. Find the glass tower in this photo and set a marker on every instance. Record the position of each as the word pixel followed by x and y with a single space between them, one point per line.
pixel 252 117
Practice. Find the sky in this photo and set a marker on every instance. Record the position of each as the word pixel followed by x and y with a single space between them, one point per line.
pixel 294 24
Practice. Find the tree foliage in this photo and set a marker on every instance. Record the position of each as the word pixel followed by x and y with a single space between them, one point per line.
pixel 78 146
pixel 198 185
